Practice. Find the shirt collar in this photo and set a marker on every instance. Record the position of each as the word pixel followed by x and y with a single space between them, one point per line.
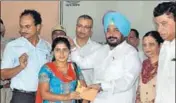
pixel 119 45
pixel 88 42
pixel 169 42
pixel 29 43
pixel 173 42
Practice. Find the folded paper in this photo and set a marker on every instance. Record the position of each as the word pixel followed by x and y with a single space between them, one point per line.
pixel 87 93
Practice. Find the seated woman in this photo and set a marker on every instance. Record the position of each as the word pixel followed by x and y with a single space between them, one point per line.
pixel 151 46
pixel 58 79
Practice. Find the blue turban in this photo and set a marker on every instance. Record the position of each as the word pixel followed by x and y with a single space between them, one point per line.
pixel 117 19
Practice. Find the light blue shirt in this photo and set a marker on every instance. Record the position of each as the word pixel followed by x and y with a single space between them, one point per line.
pixel 27 79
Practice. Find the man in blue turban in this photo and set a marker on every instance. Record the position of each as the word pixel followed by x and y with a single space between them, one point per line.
pixel 114 21
pixel 116 65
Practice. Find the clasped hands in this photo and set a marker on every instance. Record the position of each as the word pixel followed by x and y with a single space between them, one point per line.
pixel 77 94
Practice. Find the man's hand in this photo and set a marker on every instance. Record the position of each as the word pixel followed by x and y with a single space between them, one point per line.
pixel 23 59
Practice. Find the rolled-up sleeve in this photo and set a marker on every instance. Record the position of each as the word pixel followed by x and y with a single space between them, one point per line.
pixel 44 74
pixel 8 57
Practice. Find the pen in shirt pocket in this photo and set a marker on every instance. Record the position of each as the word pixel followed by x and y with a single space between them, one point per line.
pixel 48 57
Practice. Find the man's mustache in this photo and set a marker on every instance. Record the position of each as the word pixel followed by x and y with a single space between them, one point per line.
pixel 23 33
pixel 112 37
pixel 81 33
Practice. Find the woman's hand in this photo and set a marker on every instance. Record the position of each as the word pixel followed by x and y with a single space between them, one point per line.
pixel 74 95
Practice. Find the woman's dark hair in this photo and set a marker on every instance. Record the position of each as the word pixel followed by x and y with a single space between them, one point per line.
pixel 60 40
pixel 155 35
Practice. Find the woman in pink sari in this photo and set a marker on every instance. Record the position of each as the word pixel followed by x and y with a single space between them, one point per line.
pixel 151 46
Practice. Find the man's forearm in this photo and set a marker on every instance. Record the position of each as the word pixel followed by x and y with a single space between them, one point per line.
pixel 8 73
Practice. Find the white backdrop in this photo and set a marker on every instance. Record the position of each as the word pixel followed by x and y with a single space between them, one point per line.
pixel 140 14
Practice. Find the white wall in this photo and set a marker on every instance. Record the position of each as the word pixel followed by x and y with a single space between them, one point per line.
pixel 140 13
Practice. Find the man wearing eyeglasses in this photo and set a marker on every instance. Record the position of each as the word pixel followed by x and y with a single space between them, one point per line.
pixel 84 43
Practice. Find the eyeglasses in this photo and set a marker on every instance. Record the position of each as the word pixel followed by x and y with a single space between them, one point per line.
pixel 85 27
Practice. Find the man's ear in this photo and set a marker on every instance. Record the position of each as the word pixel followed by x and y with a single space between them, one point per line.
pixel 39 26
pixel 91 32
pixel 138 42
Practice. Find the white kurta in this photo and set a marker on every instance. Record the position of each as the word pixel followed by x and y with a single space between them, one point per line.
pixel 165 87
pixel 117 70
pixel 87 49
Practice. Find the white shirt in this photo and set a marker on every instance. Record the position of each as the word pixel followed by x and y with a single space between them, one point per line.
pixel 27 79
pixel 117 70
pixel 165 86
pixel 86 50
pixel 141 55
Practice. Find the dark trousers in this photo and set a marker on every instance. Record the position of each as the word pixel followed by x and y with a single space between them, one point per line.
pixel 22 97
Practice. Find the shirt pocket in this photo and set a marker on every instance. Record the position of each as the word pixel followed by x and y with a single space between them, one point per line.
pixel 115 69
pixel 19 50
pixel 44 56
